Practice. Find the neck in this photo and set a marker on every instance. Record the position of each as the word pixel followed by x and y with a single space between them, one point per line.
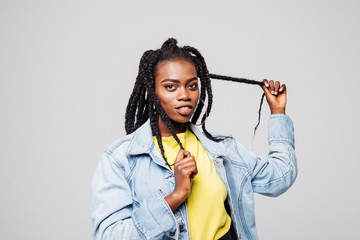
pixel 165 132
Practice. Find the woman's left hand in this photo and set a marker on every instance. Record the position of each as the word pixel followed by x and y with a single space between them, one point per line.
pixel 275 96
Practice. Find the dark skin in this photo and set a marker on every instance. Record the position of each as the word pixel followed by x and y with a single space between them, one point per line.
pixel 176 86
pixel 275 96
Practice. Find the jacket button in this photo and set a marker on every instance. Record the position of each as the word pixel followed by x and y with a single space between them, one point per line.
pixel 217 162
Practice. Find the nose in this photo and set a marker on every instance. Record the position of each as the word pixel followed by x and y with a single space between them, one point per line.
pixel 183 95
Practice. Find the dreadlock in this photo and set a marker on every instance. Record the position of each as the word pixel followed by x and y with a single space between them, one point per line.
pixel 144 104
pixel 247 81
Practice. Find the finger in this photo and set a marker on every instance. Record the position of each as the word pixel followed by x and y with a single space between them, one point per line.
pixel 186 153
pixel 272 87
pixel 266 89
pixel 191 172
pixel 282 88
pixel 186 170
pixel 182 154
pixel 266 83
pixel 277 86
pixel 189 162
pixel 186 160
pixel 185 163
pixel 194 173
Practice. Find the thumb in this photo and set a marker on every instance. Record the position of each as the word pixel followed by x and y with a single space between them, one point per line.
pixel 182 154
pixel 267 92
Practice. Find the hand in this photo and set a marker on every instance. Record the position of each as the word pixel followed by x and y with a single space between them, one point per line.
pixel 275 96
pixel 184 170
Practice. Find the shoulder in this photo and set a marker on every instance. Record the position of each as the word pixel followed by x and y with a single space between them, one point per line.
pixel 116 153
pixel 119 145
pixel 137 143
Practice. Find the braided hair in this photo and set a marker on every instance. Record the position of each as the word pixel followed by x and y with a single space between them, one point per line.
pixel 144 104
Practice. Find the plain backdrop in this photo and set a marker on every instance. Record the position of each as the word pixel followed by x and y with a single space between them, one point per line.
pixel 67 69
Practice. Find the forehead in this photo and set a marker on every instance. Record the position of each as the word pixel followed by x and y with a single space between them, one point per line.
pixel 175 69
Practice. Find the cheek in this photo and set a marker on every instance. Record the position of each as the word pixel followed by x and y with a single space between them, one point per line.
pixel 196 95
pixel 165 99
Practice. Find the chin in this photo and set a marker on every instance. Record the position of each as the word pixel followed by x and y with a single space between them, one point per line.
pixel 180 120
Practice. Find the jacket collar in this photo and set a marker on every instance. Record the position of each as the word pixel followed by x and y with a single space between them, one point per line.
pixel 142 141
pixel 214 148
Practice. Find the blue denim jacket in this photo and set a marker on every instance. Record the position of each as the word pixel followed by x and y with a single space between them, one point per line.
pixel 132 179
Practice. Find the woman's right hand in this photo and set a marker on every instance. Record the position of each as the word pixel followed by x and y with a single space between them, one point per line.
pixel 275 96
pixel 184 170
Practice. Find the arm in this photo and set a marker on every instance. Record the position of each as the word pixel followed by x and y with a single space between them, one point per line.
pixel 111 202
pixel 184 170
pixel 115 212
pixel 274 174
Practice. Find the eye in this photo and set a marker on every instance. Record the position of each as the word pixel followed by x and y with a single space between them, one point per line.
pixel 193 85
pixel 169 87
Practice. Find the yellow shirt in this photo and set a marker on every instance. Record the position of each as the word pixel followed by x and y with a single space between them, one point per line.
pixel 207 216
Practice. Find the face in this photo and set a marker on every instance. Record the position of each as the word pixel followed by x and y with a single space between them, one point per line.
pixel 177 88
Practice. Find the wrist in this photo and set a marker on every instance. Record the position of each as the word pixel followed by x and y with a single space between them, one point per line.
pixel 277 111
pixel 180 195
pixel 175 198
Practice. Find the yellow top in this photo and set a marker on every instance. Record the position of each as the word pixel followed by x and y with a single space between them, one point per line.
pixel 207 216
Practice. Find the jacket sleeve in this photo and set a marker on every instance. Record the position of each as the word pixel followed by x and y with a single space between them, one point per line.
pixel 274 174
pixel 115 215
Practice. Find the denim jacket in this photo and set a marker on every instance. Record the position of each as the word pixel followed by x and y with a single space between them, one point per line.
pixel 132 179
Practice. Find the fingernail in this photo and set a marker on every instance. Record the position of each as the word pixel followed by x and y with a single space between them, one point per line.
pixel 272 92
pixel 266 84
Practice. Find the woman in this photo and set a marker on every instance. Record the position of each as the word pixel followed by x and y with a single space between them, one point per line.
pixel 168 180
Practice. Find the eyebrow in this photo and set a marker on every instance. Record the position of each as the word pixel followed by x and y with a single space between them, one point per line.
pixel 177 81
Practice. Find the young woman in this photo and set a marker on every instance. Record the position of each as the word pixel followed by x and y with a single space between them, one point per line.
pixel 168 180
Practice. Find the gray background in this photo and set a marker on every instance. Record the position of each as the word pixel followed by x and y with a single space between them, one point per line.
pixel 67 69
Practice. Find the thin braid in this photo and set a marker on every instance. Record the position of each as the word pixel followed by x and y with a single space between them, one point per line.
pixel 206 82
pixel 141 108
pixel 167 121
pixel 261 102
pixel 156 131
pixel 234 79
pixel 131 121
pixel 200 104
pixel 208 109
pixel 131 108
pixel 203 88
pixel 247 81
pixel 155 127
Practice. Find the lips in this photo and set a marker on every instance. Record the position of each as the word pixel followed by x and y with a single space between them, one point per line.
pixel 185 110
